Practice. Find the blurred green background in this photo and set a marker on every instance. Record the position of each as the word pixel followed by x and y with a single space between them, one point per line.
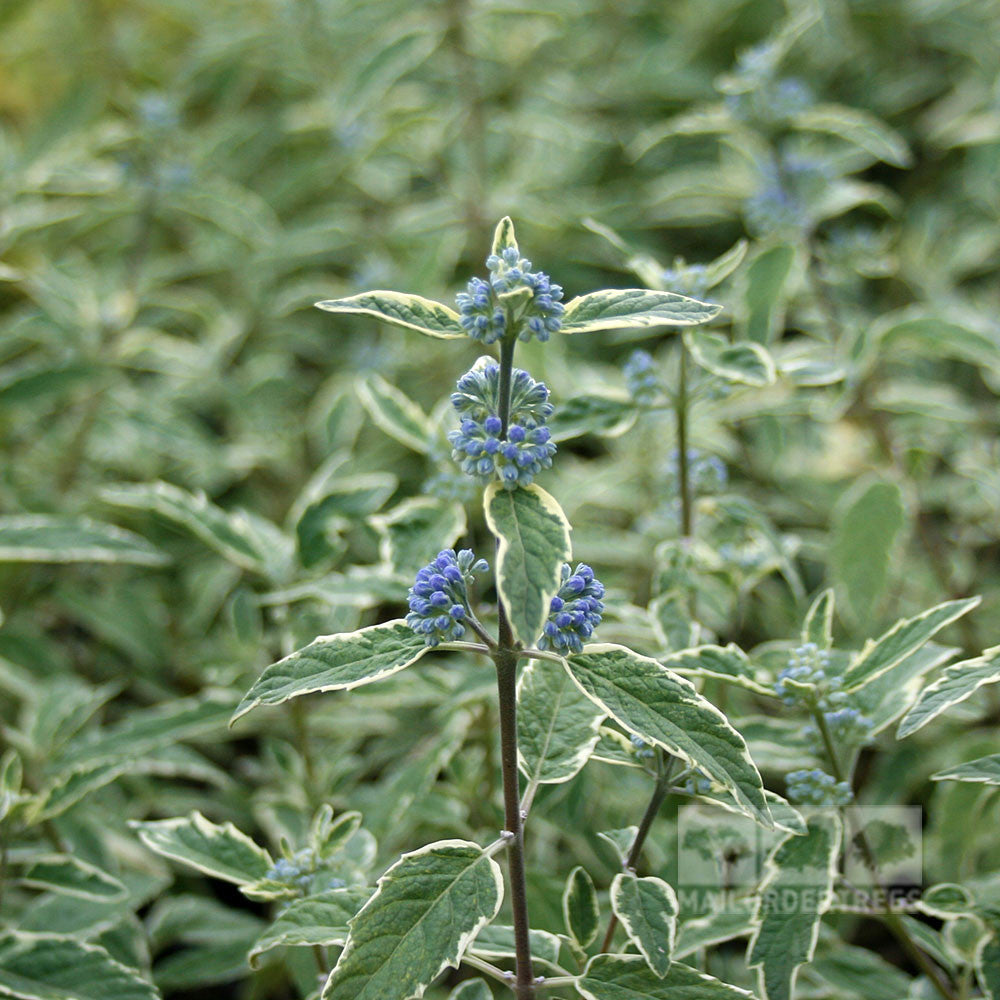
pixel 180 181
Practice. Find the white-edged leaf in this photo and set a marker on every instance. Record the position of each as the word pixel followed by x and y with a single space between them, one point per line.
pixel 218 850
pixel 858 127
pixel 743 361
pixel 725 663
pixel 395 413
pixel 581 912
pixel 54 538
pixel 605 416
pixel 633 308
pixel 983 770
pixel 496 941
pixel 427 908
pixel 621 841
pixel 320 919
pixel 244 539
pixel 904 638
pixel 628 977
pixel 412 312
pixel 51 967
pixel 72 876
pixel 988 965
pixel 958 682
pixel 664 708
pixel 647 910
pixel 336 663
pixel 534 543
pixel 818 625
pixel 797 889
pixel 557 724
pixel 734 920
pixel 416 530
pixel 471 989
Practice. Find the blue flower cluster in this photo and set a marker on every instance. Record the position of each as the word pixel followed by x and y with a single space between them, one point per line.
pixel 484 316
pixel 439 599
pixel 688 279
pixel 810 665
pixel 847 726
pixel 641 380
pixel 817 788
pixel 643 751
pixel 697 784
pixel 478 445
pixel 299 872
pixel 575 611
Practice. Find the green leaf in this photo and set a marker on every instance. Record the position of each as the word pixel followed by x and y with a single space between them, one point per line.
pixel 818 625
pixel 72 877
pixel 605 416
pixel 412 312
pixel 471 989
pixel 621 841
pixel 416 529
pixel 244 539
pixel 581 912
pixel 221 851
pixel 321 919
pixel 48 967
pixel 628 977
pixel 958 682
pixel 904 638
pixel 557 725
pixel 764 299
pixel 426 910
pixel 633 308
pixel 859 972
pixel 797 889
pixel 503 236
pixel 336 663
pixel 534 543
pixel 496 941
pixel 395 413
pixel 732 921
pixel 52 538
pixel 647 910
pixel 858 127
pixel 867 527
pixel 719 269
pixel 664 708
pixel 725 663
pixel 984 770
pixel 745 361
pixel 988 965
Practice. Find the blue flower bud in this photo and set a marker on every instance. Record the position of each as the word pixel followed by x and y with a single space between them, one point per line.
pixel 574 612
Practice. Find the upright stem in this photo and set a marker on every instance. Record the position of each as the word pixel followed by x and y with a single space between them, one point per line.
pixel 683 472
pixel 890 916
pixel 506 658
pixel 645 825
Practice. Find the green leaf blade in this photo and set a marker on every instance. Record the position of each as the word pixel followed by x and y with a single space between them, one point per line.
pixel 665 709
pixel 633 308
pixel 983 770
pixel 218 850
pixel 336 663
pixel 581 912
pixel 627 977
pixel 49 967
pixel 958 682
pixel 904 638
pixel 45 538
pixel 557 725
pixel 412 312
pixel 534 543
pixel 647 910
pixel 426 909
pixel 796 891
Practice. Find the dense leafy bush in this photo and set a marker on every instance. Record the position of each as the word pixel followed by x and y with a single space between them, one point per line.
pixel 752 685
